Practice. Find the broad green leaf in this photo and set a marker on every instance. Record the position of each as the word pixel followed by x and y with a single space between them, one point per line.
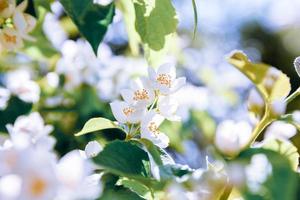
pixel 257 73
pixel 92 20
pixel 97 124
pixel 135 186
pixel 155 19
pixel 124 159
pixel 285 148
pixel 280 184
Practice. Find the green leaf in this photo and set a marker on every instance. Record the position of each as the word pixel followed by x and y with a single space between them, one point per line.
pixel 257 72
pixel 119 193
pixel 281 182
pixel 155 19
pixel 92 20
pixel 285 148
pixel 97 124
pixel 153 150
pixel 124 159
pixel 170 171
pixel 195 18
pixel 135 186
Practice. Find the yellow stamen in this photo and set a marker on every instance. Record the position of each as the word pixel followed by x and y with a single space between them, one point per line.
pixel 128 111
pixel 38 187
pixel 10 38
pixel 153 128
pixel 164 79
pixel 141 95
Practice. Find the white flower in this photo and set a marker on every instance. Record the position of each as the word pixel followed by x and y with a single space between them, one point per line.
pixel 7 8
pixel 231 137
pixel 140 93
pixel 4 97
pixel 281 130
pixel 19 83
pixel 92 149
pixel 10 39
pixel 10 186
pixel 34 168
pixel 167 107
pixel 125 113
pixel 31 130
pixel 150 131
pixel 258 171
pixel 24 23
pixel 165 79
pixel 74 173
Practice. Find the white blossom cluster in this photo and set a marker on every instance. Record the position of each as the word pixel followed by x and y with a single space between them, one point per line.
pixel 15 25
pixel 31 170
pixel 148 102
pixel 20 84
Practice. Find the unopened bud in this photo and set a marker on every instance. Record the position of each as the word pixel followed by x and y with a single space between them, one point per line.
pixel 297 65
pixel 278 107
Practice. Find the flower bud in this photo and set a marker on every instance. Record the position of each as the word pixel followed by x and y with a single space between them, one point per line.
pixel 278 107
pixel 231 137
pixel 297 65
pixel 92 149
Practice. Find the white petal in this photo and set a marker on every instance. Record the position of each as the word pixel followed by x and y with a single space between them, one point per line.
pixel 117 107
pixel 167 69
pixel 92 149
pixel 151 73
pixel 127 95
pixel 178 83
pixel 20 22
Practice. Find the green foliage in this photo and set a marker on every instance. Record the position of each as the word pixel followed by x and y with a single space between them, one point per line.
pixel 97 124
pixel 124 159
pixel 119 193
pixel 154 21
pixel 15 108
pixel 285 148
pixel 280 184
pixel 135 186
pixel 257 73
pixel 92 20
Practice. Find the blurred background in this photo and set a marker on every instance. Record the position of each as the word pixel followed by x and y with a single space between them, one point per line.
pixel 75 85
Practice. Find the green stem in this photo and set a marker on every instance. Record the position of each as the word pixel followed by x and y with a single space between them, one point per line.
pixel 264 122
pixel 293 96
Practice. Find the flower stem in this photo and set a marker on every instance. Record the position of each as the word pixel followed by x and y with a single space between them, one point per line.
pixel 264 122
pixel 293 96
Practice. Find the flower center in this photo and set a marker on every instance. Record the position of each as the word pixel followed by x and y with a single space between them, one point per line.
pixel 164 79
pixel 153 128
pixel 3 4
pixel 10 38
pixel 141 95
pixel 38 187
pixel 128 111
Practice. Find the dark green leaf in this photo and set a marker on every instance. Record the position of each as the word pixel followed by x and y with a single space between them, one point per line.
pixel 280 184
pixel 91 19
pixel 125 159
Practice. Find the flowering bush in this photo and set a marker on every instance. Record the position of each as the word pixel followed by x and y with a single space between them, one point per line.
pixel 107 100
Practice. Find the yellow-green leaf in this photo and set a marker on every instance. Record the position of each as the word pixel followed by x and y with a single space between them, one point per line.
pixel 285 148
pixel 97 124
pixel 258 72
